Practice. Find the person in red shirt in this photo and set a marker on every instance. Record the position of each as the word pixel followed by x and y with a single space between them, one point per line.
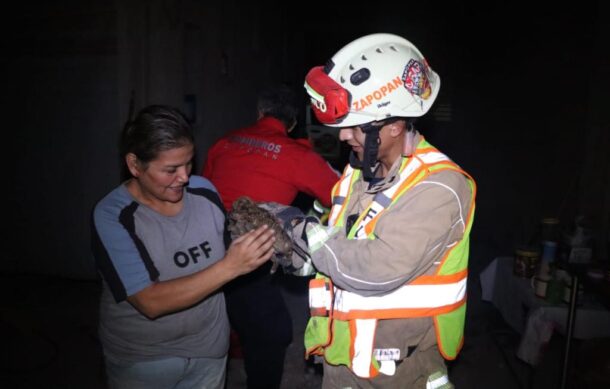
pixel 262 162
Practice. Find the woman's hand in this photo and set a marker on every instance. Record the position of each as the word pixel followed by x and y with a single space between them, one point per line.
pixel 250 250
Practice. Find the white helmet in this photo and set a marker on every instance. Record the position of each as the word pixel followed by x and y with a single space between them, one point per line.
pixel 373 78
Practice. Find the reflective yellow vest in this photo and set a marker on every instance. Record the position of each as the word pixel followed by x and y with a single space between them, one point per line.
pixel 342 324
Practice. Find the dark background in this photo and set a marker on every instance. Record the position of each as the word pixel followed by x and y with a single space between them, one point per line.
pixel 523 107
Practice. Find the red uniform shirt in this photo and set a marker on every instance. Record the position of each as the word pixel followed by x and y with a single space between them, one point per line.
pixel 263 163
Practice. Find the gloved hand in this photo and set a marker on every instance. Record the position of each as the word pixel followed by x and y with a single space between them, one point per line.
pixel 317 235
pixel 312 235
pixel 301 258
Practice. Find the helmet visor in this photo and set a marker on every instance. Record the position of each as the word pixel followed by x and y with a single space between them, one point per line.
pixel 330 101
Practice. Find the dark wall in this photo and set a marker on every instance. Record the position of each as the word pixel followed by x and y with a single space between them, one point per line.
pixel 527 124
pixel 523 98
pixel 61 118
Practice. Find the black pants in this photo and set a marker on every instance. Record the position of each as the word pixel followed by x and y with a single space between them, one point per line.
pixel 259 315
pixel 264 364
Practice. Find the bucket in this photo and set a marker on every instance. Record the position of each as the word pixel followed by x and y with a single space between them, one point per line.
pixel 526 262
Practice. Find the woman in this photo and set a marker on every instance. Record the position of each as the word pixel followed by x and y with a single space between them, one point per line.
pixel 159 244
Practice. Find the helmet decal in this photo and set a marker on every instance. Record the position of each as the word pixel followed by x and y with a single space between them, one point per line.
pixel 378 94
pixel 415 79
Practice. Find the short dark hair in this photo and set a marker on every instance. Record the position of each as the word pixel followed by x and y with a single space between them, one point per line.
pixel 280 102
pixel 156 128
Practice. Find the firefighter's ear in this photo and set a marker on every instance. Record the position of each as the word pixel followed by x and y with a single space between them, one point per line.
pixel 397 128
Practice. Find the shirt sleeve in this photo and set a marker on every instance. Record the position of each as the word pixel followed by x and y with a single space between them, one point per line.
pixel 117 256
pixel 410 238
pixel 196 181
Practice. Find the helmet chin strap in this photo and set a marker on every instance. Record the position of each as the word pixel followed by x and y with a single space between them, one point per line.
pixel 371 149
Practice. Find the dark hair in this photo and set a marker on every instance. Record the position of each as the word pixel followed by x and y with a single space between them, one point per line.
pixel 156 128
pixel 280 102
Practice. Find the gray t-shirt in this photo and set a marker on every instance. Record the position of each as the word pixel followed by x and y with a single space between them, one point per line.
pixel 135 246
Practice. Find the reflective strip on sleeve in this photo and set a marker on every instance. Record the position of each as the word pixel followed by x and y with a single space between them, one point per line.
pixel 438 380
pixel 316 237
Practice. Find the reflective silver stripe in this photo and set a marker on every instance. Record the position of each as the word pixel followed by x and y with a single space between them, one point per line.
pixel 411 167
pixel 319 298
pixel 363 347
pixel 405 297
pixel 438 380
pixel 344 186
pixel 433 157
pixel 382 199
pixel 338 200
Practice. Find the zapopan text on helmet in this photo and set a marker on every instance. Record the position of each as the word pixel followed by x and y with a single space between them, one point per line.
pixel 378 94
pixel 364 102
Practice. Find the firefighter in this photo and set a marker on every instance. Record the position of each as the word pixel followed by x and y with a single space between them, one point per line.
pixel 389 299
